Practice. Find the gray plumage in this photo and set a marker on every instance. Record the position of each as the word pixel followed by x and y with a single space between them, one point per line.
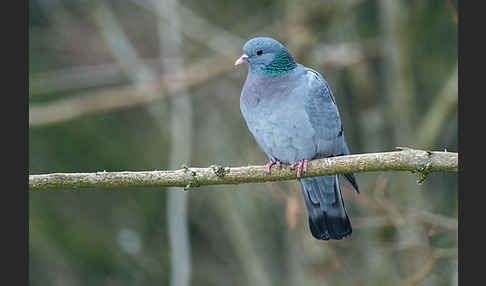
pixel 292 114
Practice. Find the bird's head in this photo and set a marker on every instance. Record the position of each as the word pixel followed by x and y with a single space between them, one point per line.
pixel 266 56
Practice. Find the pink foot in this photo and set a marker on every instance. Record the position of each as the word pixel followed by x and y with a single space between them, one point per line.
pixel 302 166
pixel 269 165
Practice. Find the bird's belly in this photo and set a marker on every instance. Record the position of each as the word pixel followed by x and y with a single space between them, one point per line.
pixel 283 132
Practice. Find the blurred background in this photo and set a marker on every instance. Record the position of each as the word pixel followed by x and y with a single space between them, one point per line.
pixel 150 85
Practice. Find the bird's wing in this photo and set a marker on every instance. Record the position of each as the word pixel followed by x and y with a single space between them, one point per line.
pixel 322 82
pixel 326 121
pixel 324 115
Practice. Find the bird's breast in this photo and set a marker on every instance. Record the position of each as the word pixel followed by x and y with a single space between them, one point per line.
pixel 279 124
pixel 265 92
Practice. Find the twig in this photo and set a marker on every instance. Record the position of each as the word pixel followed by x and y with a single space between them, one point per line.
pixel 120 47
pixel 435 219
pixel 346 54
pixel 341 266
pixel 72 78
pixel 405 160
pixel 429 266
pixel 453 10
pixel 391 210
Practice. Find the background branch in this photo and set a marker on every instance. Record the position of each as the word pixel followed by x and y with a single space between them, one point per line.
pixel 126 96
pixel 439 113
pixel 181 125
pixel 429 266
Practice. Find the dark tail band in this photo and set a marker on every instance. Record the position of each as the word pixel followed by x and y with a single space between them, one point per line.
pixel 325 206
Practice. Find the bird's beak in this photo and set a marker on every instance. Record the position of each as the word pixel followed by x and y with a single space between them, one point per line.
pixel 241 59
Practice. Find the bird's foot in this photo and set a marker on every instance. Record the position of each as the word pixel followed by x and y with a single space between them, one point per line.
pixel 301 167
pixel 269 165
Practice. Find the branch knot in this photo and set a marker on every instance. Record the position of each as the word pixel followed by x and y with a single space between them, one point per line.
pixel 424 170
pixel 219 170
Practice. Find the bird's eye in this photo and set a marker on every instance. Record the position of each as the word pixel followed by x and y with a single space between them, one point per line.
pixel 259 52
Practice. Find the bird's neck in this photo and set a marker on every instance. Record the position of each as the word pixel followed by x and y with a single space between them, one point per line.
pixel 283 63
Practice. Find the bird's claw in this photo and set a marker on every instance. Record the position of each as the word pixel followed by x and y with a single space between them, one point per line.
pixel 269 165
pixel 301 167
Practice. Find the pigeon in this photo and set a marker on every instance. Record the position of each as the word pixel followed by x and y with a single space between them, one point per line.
pixel 292 114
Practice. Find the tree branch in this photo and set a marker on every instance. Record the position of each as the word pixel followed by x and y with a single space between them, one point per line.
pixel 416 161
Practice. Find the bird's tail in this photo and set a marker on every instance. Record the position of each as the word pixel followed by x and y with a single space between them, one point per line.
pixel 325 206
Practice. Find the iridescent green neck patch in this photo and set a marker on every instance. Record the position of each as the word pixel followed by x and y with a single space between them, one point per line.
pixel 282 63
